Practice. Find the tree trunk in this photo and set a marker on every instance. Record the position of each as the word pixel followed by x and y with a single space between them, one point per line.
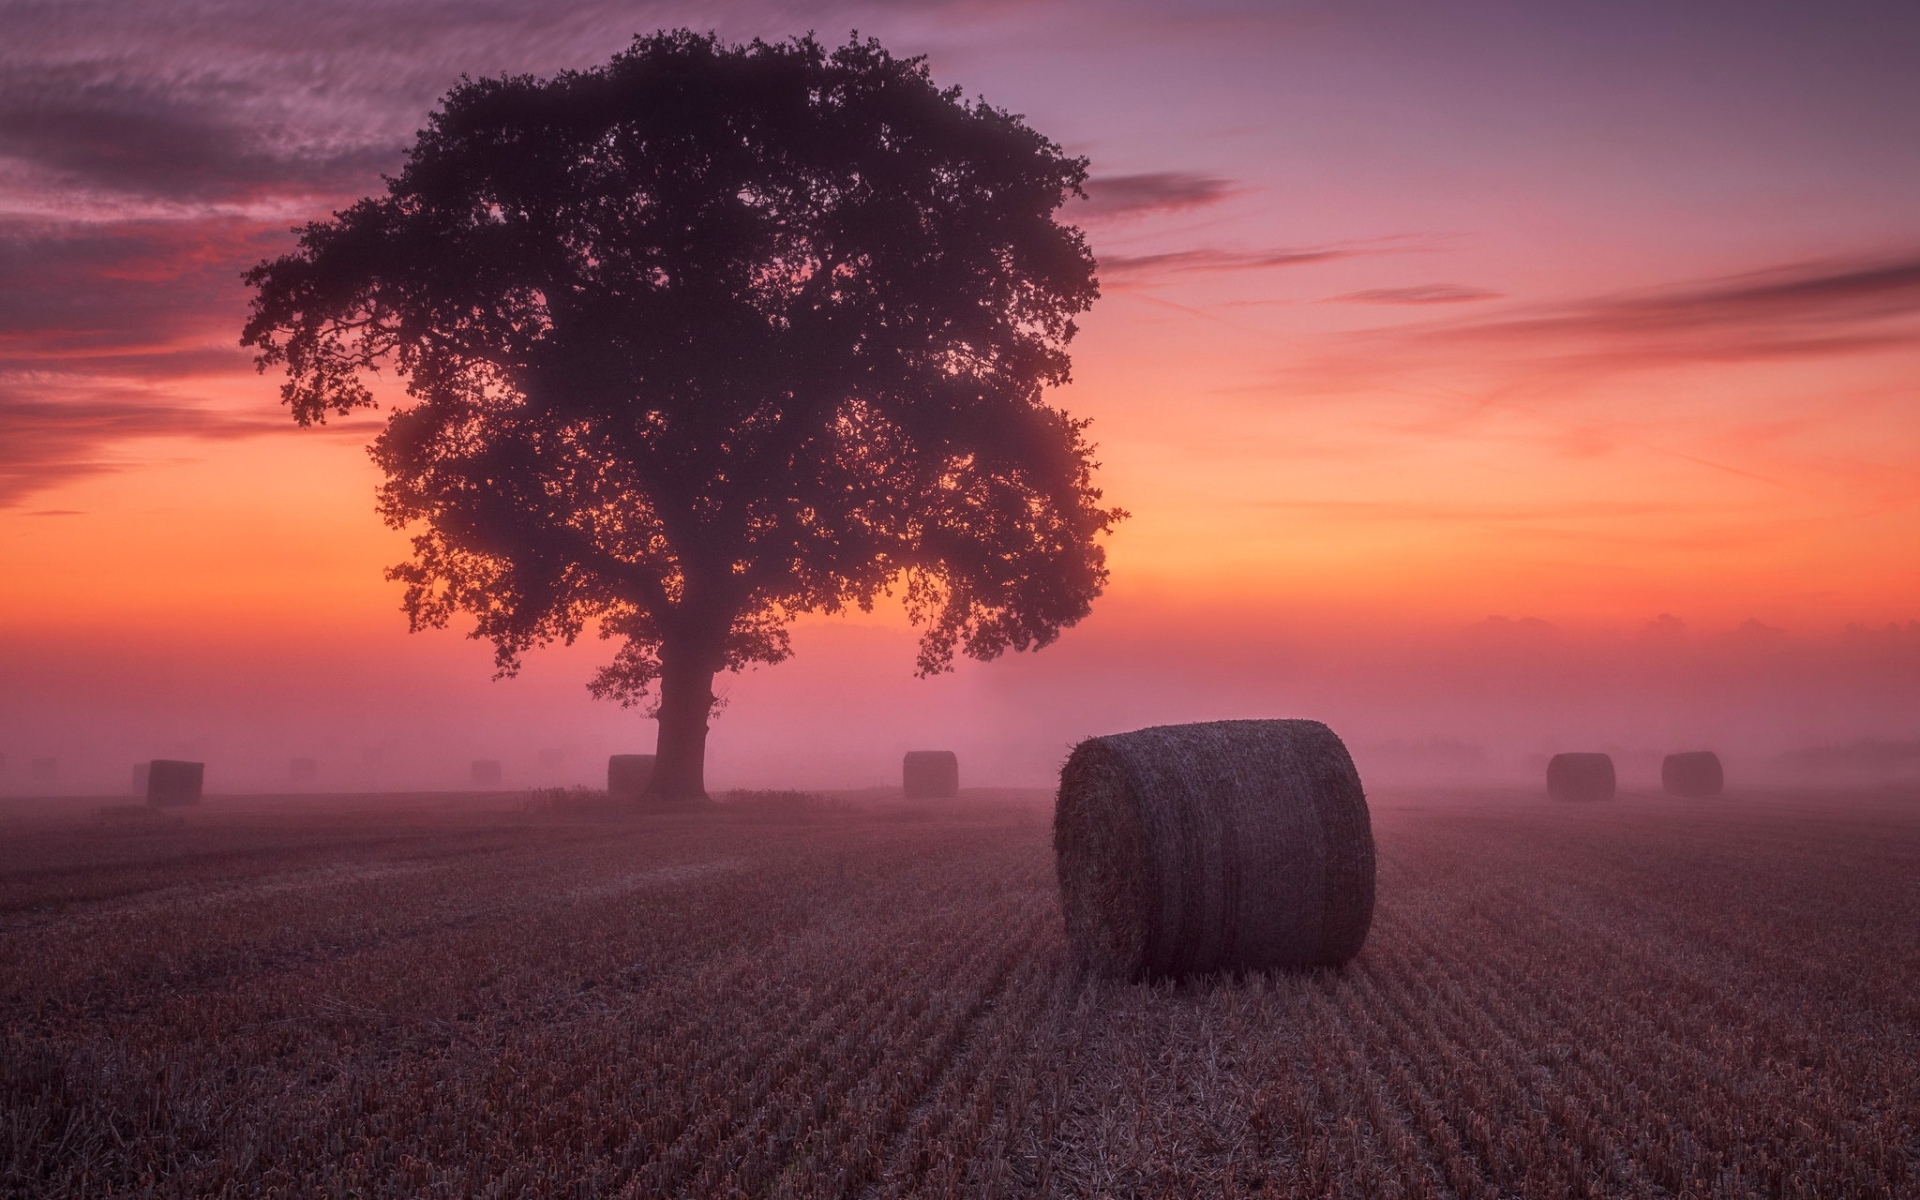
pixel 686 701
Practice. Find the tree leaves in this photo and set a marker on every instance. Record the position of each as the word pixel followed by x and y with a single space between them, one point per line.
pixel 706 338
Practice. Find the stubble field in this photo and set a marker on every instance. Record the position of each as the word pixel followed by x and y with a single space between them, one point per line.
pixel 432 996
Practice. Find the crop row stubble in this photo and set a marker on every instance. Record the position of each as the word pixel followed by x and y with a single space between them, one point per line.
pixel 1623 1002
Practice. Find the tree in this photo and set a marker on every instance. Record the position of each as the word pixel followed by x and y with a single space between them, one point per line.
pixel 704 339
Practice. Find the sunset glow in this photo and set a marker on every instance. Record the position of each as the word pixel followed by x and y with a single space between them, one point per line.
pixel 1475 375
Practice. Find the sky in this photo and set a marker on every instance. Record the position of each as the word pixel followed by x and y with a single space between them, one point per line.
pixel 1485 379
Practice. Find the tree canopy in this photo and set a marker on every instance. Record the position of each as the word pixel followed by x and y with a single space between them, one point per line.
pixel 703 339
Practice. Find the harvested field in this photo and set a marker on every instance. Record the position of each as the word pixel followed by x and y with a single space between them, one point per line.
pixel 413 995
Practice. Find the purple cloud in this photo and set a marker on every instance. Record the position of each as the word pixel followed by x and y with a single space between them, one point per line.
pixel 1114 196
pixel 194 141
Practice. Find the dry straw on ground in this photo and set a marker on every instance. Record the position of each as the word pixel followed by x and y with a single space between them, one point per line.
pixel 1218 846
pixel 1580 777
pixel 930 774
pixel 1693 773
pixel 428 996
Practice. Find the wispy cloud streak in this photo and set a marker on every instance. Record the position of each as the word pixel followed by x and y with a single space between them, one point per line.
pixel 1431 293
pixel 1206 259
pixel 1115 196
pixel 47 440
pixel 1796 311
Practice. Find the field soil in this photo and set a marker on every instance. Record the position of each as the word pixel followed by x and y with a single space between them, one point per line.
pixel 448 995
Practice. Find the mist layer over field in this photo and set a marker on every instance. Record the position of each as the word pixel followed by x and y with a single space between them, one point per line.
pixel 1487 702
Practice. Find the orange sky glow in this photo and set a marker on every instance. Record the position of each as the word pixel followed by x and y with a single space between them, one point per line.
pixel 1492 381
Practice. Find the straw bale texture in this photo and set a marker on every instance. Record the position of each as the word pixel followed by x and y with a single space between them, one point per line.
pixel 1693 773
pixel 628 775
pixel 172 782
pixel 1580 777
pixel 930 774
pixel 1226 845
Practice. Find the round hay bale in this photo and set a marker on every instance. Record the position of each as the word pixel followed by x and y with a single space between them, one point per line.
pixel 1227 845
pixel 930 774
pixel 628 775
pixel 170 781
pixel 1580 777
pixel 1692 773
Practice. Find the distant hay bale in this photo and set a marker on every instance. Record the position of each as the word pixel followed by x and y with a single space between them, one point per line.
pixel 930 774
pixel 303 770
pixel 170 782
pixel 1219 846
pixel 1580 777
pixel 1692 773
pixel 486 772
pixel 140 779
pixel 628 775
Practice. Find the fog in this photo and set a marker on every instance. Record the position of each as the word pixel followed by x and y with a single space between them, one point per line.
pixel 1485 703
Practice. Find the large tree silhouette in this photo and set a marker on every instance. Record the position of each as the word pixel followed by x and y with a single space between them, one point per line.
pixel 703 339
